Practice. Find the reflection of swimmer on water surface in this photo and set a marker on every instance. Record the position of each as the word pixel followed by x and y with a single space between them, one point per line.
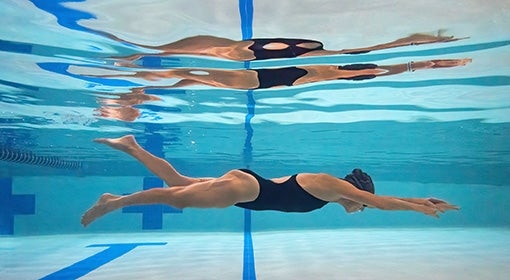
pixel 268 48
pixel 134 97
pixel 120 106
pixel 288 76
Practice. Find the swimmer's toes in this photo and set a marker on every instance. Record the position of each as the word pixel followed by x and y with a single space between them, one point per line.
pixel 84 220
pixel 100 140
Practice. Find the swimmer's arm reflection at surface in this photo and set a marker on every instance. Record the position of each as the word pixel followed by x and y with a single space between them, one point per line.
pixel 303 192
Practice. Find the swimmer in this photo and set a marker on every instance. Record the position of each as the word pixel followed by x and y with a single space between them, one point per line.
pixel 303 192
pixel 267 48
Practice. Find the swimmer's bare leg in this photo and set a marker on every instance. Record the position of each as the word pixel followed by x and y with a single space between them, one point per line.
pixel 160 167
pixel 146 75
pixel 108 202
pixel 195 45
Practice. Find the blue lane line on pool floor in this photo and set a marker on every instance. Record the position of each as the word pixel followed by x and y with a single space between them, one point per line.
pixel 95 261
pixel 248 255
pixel 246 13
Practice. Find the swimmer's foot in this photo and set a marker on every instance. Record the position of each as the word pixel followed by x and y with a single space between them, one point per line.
pixel 125 63
pixel 103 206
pixel 125 143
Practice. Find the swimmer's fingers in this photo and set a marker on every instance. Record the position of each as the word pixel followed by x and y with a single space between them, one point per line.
pixel 452 39
pixel 447 206
pixel 429 210
pixel 435 200
pixel 441 205
pixel 443 38
pixel 435 207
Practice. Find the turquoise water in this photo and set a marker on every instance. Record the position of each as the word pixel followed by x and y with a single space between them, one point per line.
pixel 435 132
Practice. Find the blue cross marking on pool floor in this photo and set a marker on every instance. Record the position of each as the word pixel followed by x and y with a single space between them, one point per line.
pixel 11 205
pixel 152 215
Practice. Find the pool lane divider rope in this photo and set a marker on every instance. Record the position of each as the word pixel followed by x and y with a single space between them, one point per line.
pixel 30 158
pixel 246 13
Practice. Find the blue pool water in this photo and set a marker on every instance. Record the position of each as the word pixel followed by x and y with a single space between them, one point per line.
pixel 435 132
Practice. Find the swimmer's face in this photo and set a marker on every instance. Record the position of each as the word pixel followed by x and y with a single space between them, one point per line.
pixel 351 206
pixel 359 208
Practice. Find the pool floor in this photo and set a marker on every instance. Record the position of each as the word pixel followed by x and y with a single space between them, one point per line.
pixel 460 253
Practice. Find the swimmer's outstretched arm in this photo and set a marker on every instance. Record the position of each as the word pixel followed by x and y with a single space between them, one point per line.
pixel 439 204
pixel 397 203
pixel 427 206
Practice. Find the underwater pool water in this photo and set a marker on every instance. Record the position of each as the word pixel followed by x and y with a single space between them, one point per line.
pixel 69 76
pixel 376 253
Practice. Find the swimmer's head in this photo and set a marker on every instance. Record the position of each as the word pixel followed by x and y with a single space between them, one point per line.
pixel 360 180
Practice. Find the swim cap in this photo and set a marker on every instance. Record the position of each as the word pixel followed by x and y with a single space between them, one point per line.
pixel 360 180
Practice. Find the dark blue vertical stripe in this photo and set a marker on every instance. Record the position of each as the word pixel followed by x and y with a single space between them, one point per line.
pixel 250 106
pixel 246 13
pixel 249 258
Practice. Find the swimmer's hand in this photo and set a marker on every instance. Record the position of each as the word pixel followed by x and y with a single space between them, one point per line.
pixel 442 205
pixel 433 207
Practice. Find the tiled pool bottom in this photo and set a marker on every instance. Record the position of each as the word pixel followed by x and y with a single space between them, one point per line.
pixel 461 253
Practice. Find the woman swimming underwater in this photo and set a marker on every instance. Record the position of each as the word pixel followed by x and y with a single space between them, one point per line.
pixel 302 192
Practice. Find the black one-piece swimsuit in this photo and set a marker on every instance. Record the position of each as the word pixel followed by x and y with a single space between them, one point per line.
pixel 288 196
